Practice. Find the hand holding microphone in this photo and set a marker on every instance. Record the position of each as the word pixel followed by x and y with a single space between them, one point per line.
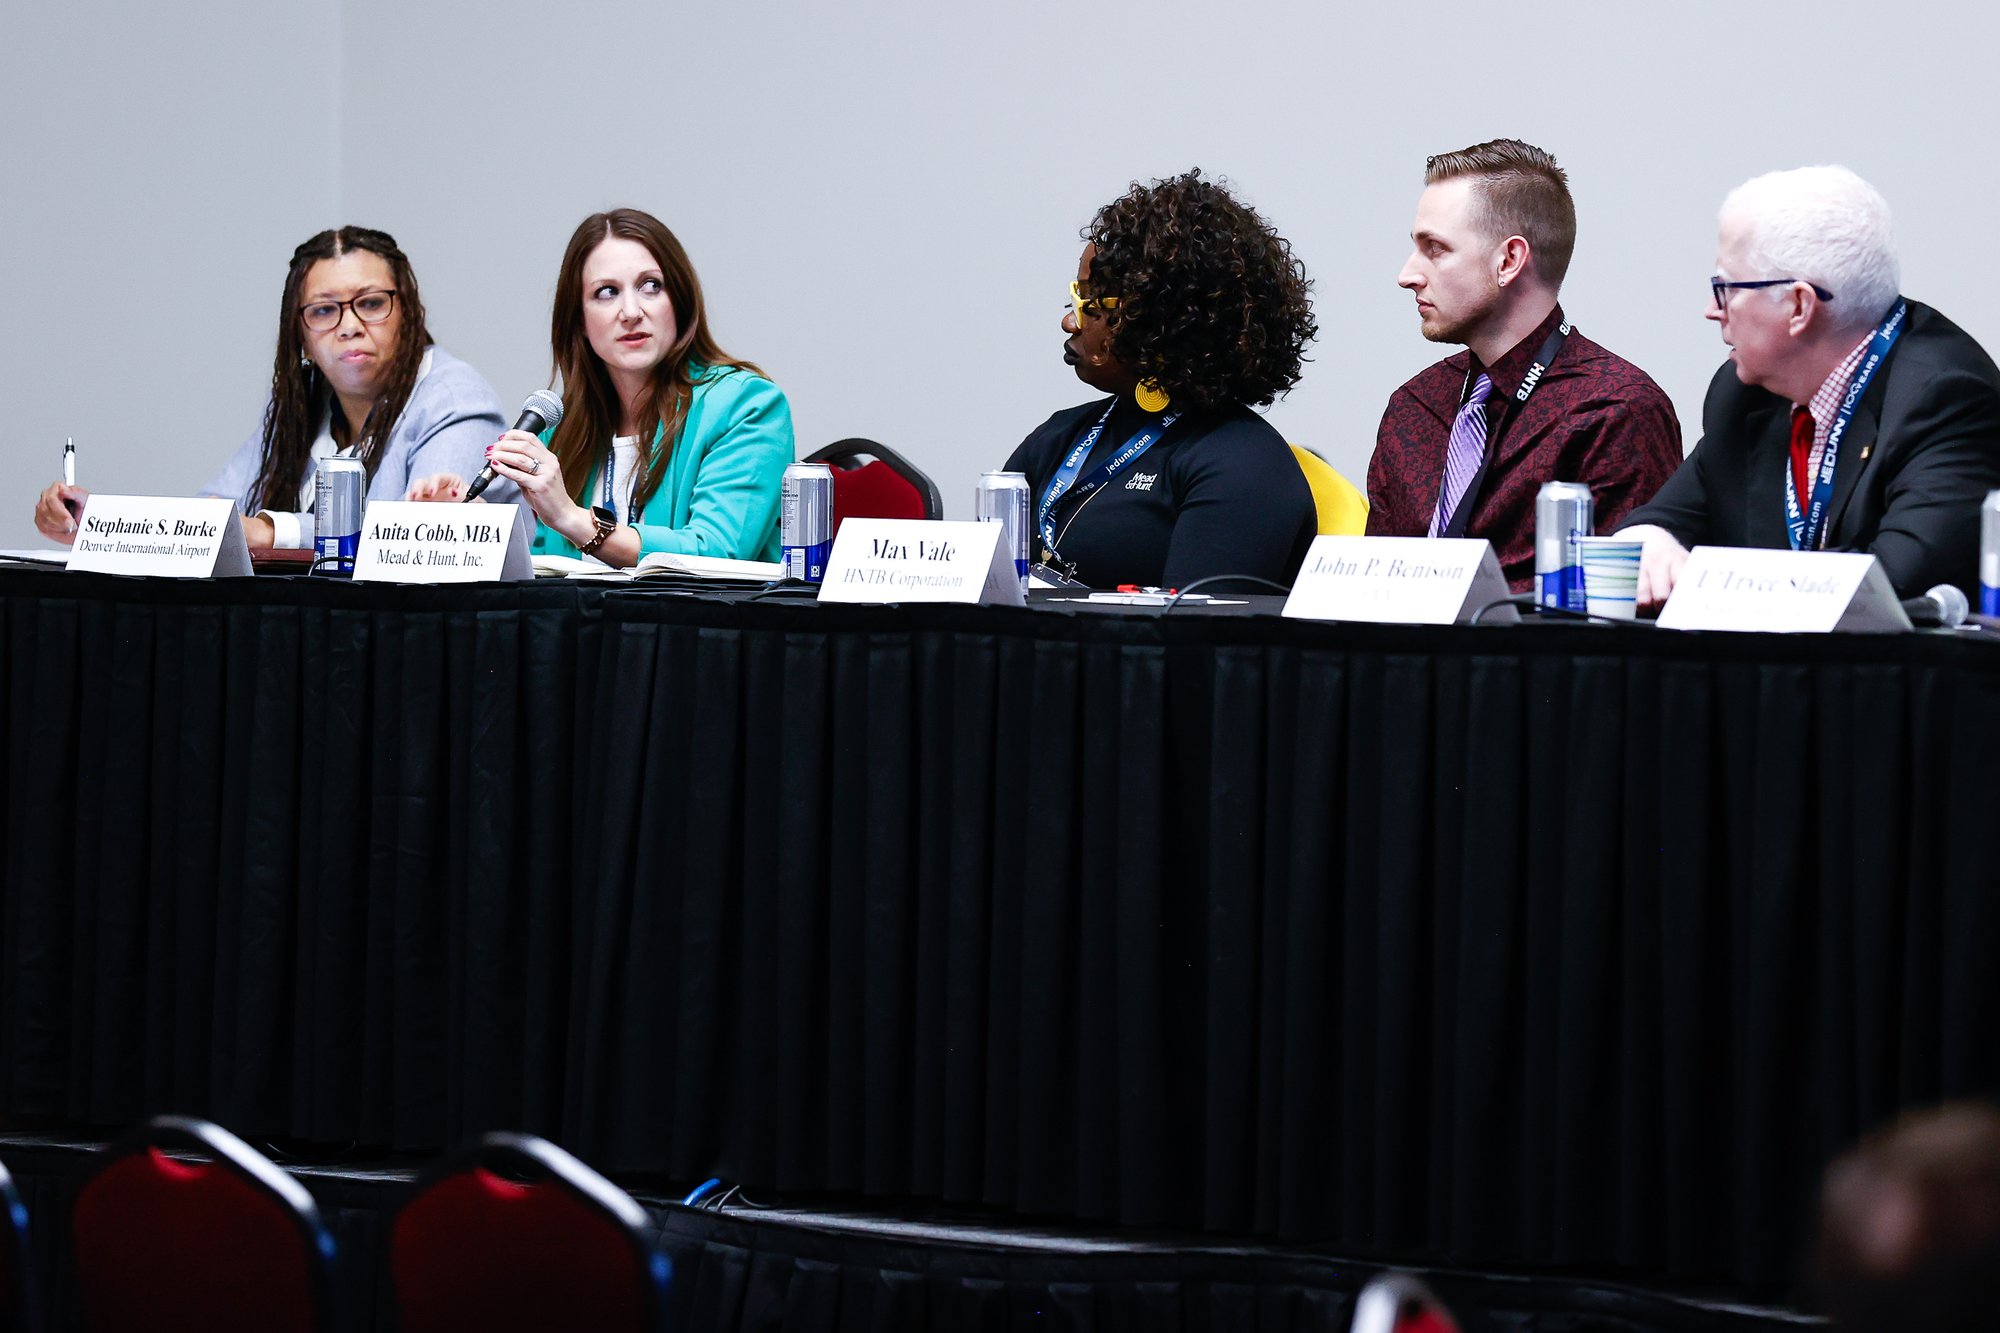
pixel 542 411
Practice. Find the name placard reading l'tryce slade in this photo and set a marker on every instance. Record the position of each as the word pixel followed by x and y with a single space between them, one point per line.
pixel 404 541
pixel 160 537
pixel 1400 580
pixel 916 560
pixel 1811 592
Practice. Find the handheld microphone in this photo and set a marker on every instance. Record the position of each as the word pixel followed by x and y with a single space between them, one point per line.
pixel 1943 607
pixel 542 410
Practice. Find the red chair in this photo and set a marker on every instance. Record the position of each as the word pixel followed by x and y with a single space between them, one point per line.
pixel 514 1233
pixel 873 481
pixel 221 1244
pixel 17 1291
pixel 1398 1303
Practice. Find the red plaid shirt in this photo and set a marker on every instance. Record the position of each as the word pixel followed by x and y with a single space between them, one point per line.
pixel 1594 418
pixel 1825 404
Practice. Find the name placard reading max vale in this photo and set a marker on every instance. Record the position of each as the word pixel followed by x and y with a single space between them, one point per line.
pixel 914 560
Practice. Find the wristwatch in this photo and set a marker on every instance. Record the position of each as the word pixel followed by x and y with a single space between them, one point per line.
pixel 606 522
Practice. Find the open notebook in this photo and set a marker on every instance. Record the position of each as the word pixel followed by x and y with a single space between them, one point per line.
pixel 659 565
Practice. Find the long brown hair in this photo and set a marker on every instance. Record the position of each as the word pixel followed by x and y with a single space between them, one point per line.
pixel 592 412
pixel 300 395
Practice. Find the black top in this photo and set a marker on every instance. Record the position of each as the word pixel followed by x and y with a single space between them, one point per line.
pixel 1219 493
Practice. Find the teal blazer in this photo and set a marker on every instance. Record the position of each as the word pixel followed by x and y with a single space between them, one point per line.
pixel 721 493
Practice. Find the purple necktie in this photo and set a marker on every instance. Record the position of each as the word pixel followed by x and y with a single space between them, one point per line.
pixel 1463 455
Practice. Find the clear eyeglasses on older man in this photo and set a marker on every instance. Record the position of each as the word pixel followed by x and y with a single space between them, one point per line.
pixel 1722 288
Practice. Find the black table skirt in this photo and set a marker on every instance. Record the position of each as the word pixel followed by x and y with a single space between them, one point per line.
pixel 1541 945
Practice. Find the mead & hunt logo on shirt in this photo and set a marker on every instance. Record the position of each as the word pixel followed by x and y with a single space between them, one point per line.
pixel 1142 481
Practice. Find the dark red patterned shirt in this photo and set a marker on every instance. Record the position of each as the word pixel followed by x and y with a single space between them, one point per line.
pixel 1594 418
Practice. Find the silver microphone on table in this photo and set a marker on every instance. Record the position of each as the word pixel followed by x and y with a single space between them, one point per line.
pixel 1943 607
pixel 542 410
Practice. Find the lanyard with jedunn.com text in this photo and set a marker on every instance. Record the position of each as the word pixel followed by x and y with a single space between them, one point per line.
pixel 1065 478
pixel 1807 530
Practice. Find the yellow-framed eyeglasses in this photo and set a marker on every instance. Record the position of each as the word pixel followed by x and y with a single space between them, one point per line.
pixel 1081 305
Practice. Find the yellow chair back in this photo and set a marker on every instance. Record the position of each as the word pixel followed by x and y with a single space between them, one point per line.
pixel 1343 510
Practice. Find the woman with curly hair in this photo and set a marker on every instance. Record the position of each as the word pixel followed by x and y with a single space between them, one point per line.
pixel 356 376
pixel 1187 310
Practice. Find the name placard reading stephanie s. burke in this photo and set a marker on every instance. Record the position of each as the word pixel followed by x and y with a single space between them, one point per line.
pixel 1785 592
pixel 407 542
pixel 1399 580
pixel 160 537
pixel 915 560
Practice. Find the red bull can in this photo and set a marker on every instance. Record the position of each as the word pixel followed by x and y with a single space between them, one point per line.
pixel 1562 514
pixel 806 524
pixel 1989 555
pixel 1002 497
pixel 337 514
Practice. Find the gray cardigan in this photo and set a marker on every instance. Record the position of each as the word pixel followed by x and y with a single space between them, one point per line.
pixel 452 415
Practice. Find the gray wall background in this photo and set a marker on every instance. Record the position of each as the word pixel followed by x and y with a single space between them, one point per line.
pixel 883 200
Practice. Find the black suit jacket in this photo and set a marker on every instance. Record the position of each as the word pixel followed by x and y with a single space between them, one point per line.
pixel 1919 456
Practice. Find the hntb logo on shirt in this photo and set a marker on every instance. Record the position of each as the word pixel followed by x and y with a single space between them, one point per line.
pixel 1142 481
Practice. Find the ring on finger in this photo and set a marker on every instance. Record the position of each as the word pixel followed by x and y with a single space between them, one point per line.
pixel 534 466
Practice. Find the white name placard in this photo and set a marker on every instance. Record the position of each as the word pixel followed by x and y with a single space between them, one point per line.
pixel 1399 580
pixel 160 537
pixel 1785 592
pixel 914 560
pixel 404 541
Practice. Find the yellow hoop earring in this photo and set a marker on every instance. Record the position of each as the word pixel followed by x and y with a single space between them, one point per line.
pixel 1151 397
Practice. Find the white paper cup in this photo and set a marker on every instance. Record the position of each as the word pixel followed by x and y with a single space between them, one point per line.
pixel 1610 575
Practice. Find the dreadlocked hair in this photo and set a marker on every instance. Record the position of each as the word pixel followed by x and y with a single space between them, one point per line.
pixel 300 395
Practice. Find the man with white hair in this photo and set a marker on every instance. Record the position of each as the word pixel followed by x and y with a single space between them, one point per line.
pixel 1847 418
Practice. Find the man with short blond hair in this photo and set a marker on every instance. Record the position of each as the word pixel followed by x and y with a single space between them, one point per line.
pixel 1465 446
pixel 1847 418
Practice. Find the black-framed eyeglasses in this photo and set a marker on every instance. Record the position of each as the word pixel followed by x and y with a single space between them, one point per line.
pixel 1722 289
pixel 369 308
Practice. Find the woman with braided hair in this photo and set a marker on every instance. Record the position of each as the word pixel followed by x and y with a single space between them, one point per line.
pixel 356 375
pixel 1187 311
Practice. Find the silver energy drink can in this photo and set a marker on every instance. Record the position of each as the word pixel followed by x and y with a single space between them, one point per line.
pixel 1002 497
pixel 1989 555
pixel 337 515
pixel 1562 514
pixel 806 531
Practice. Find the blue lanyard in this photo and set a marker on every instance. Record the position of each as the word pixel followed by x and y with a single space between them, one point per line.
pixel 1805 529
pixel 610 500
pixel 1073 462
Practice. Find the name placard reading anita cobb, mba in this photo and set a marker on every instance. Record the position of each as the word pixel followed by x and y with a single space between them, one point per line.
pixel 1400 580
pixel 403 541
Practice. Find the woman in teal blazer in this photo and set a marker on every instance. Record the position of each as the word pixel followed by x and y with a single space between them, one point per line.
pixel 637 363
